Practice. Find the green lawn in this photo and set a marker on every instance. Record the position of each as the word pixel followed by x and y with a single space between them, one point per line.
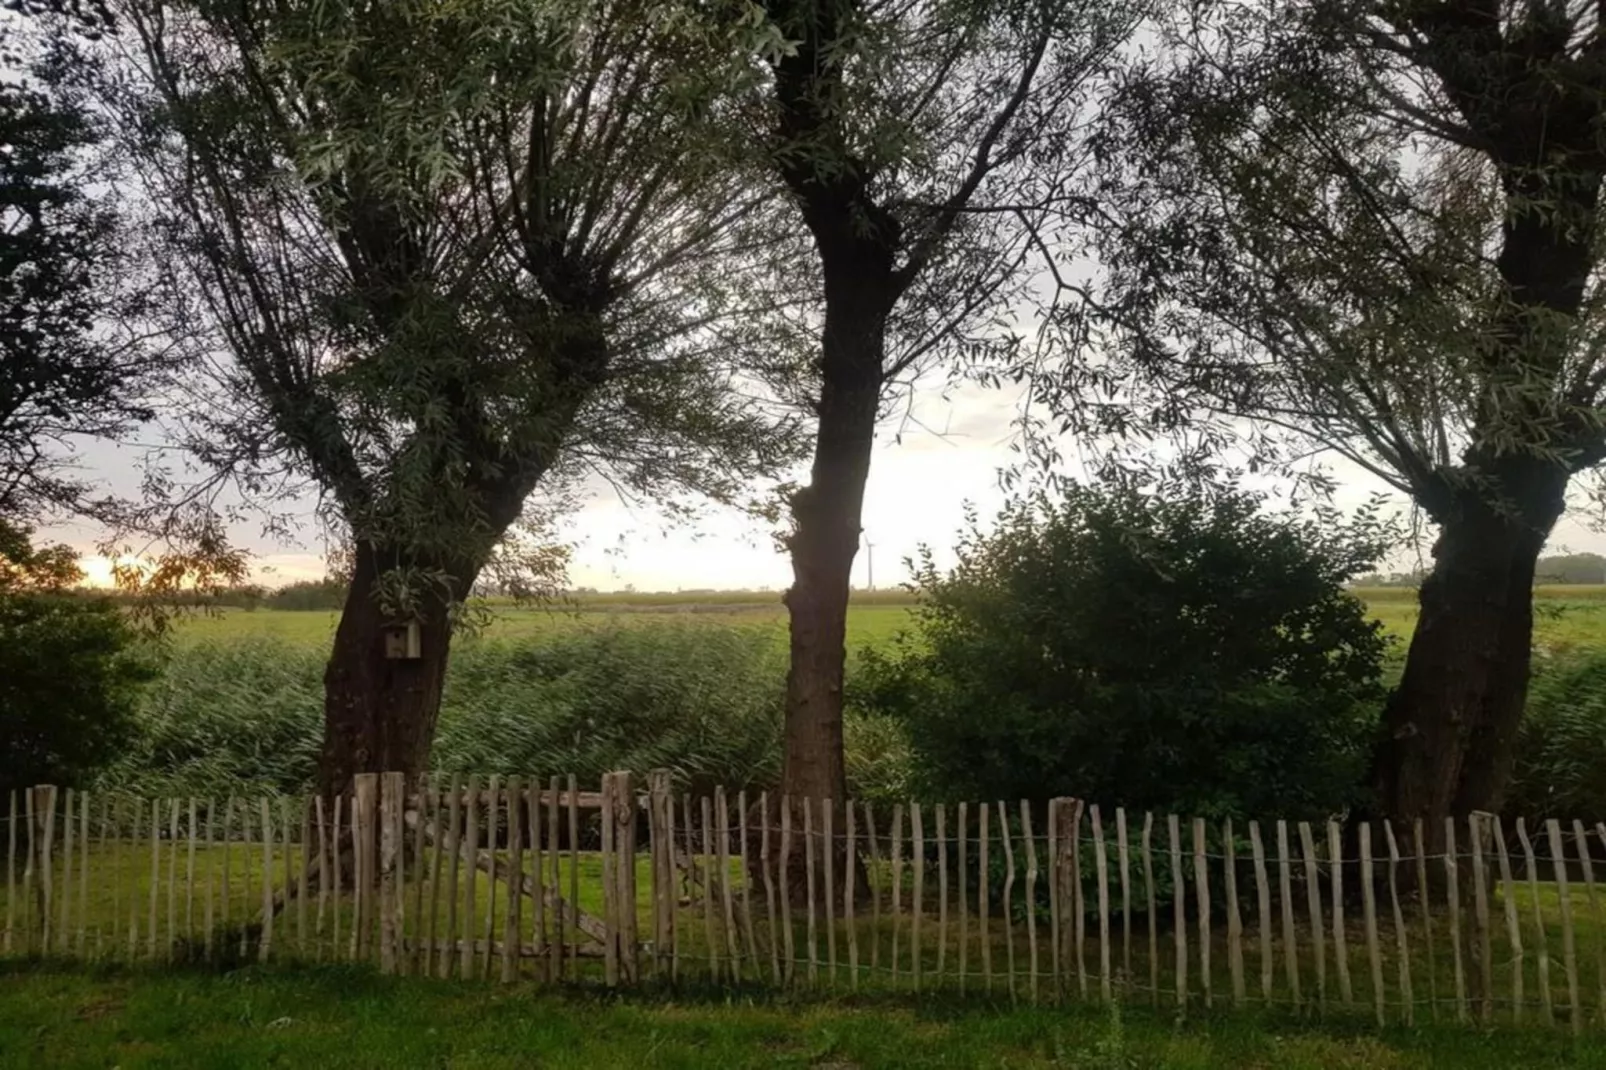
pixel 348 1017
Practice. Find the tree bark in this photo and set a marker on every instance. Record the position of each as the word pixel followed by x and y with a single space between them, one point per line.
pixel 827 515
pixel 380 712
pixel 1449 727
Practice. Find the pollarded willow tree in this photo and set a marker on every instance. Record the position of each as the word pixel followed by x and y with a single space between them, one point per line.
pixel 1373 228
pixel 922 142
pixel 437 254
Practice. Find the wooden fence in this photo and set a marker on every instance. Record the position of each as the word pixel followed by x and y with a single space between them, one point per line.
pixel 514 878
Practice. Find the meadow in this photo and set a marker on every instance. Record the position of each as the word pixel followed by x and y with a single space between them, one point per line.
pixel 873 618
pixel 1567 618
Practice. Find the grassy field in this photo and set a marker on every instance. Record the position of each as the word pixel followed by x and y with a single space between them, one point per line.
pixel 1568 618
pixel 867 624
pixel 349 1018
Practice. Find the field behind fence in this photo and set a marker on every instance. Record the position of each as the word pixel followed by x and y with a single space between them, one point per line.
pixel 516 879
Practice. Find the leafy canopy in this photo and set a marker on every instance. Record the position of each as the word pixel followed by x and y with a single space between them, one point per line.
pixel 452 251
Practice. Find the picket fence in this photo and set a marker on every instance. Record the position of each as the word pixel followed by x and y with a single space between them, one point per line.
pixel 1042 901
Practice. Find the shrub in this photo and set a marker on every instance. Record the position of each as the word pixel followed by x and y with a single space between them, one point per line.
pixel 1560 766
pixel 70 670
pixel 1175 648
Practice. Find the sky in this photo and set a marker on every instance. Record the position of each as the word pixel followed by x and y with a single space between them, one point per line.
pixel 924 472
pixel 926 468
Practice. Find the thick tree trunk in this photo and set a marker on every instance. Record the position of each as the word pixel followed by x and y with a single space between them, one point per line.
pixel 1449 727
pixel 825 540
pixel 380 712
pixel 827 515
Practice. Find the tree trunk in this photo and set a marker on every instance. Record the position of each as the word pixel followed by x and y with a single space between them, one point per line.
pixel 379 711
pixel 825 539
pixel 1450 726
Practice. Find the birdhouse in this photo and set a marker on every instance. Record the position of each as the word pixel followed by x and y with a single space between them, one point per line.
pixel 404 642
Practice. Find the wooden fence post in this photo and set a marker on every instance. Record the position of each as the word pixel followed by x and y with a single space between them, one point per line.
pixel 366 810
pixel 808 872
pixel 11 873
pixel 1402 937
pixel 64 894
pixel 849 881
pixel 1452 866
pixel 767 865
pixel 83 872
pixel 1235 924
pixel 1031 891
pixel 1285 889
pixel 44 834
pixel 722 831
pixel 1569 953
pixel 1201 879
pixel 1179 907
pixel 1374 955
pixel 659 786
pixel 493 797
pixel 962 833
pixel 1482 945
pixel 610 887
pixel 1101 872
pixel 1078 900
pixel 1146 843
pixel 624 843
pixel 513 921
pixel 828 845
pixel 917 871
pixel 1123 860
pixel 1313 897
pixel 265 947
pixel 471 814
pixel 743 867
pixel 1335 852
pixel 391 805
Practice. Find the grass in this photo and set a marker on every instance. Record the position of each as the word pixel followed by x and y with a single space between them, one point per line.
pixel 867 624
pixel 342 1017
pixel 1567 618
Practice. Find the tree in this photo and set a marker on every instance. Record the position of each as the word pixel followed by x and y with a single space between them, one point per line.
pixel 1171 646
pixel 67 369
pixel 70 669
pixel 453 252
pixel 910 136
pixel 1372 228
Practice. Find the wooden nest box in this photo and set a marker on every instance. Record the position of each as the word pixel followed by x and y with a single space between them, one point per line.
pixel 404 641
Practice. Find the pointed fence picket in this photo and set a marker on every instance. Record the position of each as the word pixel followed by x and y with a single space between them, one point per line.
pixel 528 878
